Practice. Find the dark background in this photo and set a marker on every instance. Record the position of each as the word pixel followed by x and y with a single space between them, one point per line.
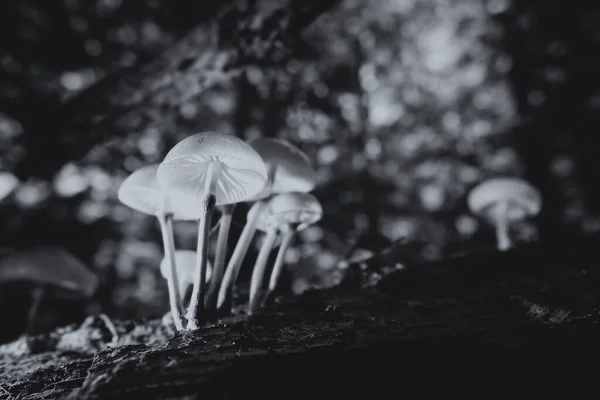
pixel 401 106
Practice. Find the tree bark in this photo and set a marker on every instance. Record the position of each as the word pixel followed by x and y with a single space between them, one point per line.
pixel 246 33
pixel 521 317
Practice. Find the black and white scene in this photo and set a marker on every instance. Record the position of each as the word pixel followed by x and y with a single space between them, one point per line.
pixel 299 199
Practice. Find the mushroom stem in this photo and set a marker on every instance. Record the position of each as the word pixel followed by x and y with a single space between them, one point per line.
pixel 219 264
pixel 288 237
pixel 502 236
pixel 208 205
pixel 225 298
pixel 175 299
pixel 197 299
pixel 36 300
pixel 259 268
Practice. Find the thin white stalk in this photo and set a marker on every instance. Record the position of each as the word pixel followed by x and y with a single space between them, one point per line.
pixel 502 234
pixel 225 298
pixel 175 300
pixel 219 264
pixel 259 268
pixel 288 237
pixel 208 205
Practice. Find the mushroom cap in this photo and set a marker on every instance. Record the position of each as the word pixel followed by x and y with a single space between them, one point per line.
pixel 524 198
pixel 8 183
pixel 49 265
pixel 294 172
pixel 142 192
pixel 185 167
pixel 185 264
pixel 293 208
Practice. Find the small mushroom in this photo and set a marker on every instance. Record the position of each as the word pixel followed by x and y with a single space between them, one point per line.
pixel 216 169
pixel 142 192
pixel 8 183
pixel 288 213
pixel 185 260
pixel 304 210
pixel 288 170
pixel 48 267
pixel 502 201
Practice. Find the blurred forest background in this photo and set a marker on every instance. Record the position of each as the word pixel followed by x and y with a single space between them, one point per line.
pixel 402 106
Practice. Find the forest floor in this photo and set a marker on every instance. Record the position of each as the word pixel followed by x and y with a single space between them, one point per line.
pixel 529 316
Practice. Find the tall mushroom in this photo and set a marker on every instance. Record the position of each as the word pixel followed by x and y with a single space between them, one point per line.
pixel 216 169
pixel 289 213
pixel 502 201
pixel 48 268
pixel 185 260
pixel 142 192
pixel 289 170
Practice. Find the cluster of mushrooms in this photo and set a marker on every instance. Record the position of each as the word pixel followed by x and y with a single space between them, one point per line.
pixel 213 170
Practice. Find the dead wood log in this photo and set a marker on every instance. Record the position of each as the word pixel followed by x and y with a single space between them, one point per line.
pixel 521 317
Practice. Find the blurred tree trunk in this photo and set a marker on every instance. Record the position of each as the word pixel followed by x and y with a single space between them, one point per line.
pixel 246 33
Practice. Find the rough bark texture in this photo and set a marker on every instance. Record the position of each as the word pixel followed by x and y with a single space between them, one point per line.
pixel 528 316
pixel 243 34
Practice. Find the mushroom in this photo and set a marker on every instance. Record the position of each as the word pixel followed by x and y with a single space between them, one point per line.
pixel 185 260
pixel 289 170
pixel 216 169
pixel 306 211
pixel 8 183
pixel 288 213
pixel 48 267
pixel 502 201
pixel 142 192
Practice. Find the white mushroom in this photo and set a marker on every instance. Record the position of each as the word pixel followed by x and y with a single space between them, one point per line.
pixel 289 170
pixel 288 213
pixel 216 169
pixel 142 192
pixel 502 201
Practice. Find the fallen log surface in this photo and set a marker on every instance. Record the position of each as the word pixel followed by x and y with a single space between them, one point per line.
pixel 529 316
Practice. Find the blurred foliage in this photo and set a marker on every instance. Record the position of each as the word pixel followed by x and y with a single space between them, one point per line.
pixel 402 105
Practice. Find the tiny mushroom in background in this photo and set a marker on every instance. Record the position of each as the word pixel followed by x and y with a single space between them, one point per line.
pixel 288 213
pixel 8 183
pixel 48 268
pixel 142 192
pixel 185 260
pixel 288 170
pixel 502 201
pixel 216 169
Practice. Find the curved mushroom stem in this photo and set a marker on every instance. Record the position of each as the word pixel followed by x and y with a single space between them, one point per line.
pixel 259 269
pixel 288 237
pixel 219 264
pixel 36 300
pixel 502 236
pixel 225 298
pixel 175 299
pixel 208 206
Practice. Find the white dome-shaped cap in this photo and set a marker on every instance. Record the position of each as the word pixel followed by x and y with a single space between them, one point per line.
pixel 8 183
pixel 185 167
pixel 142 192
pixel 294 172
pixel 294 208
pixel 185 264
pixel 524 200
